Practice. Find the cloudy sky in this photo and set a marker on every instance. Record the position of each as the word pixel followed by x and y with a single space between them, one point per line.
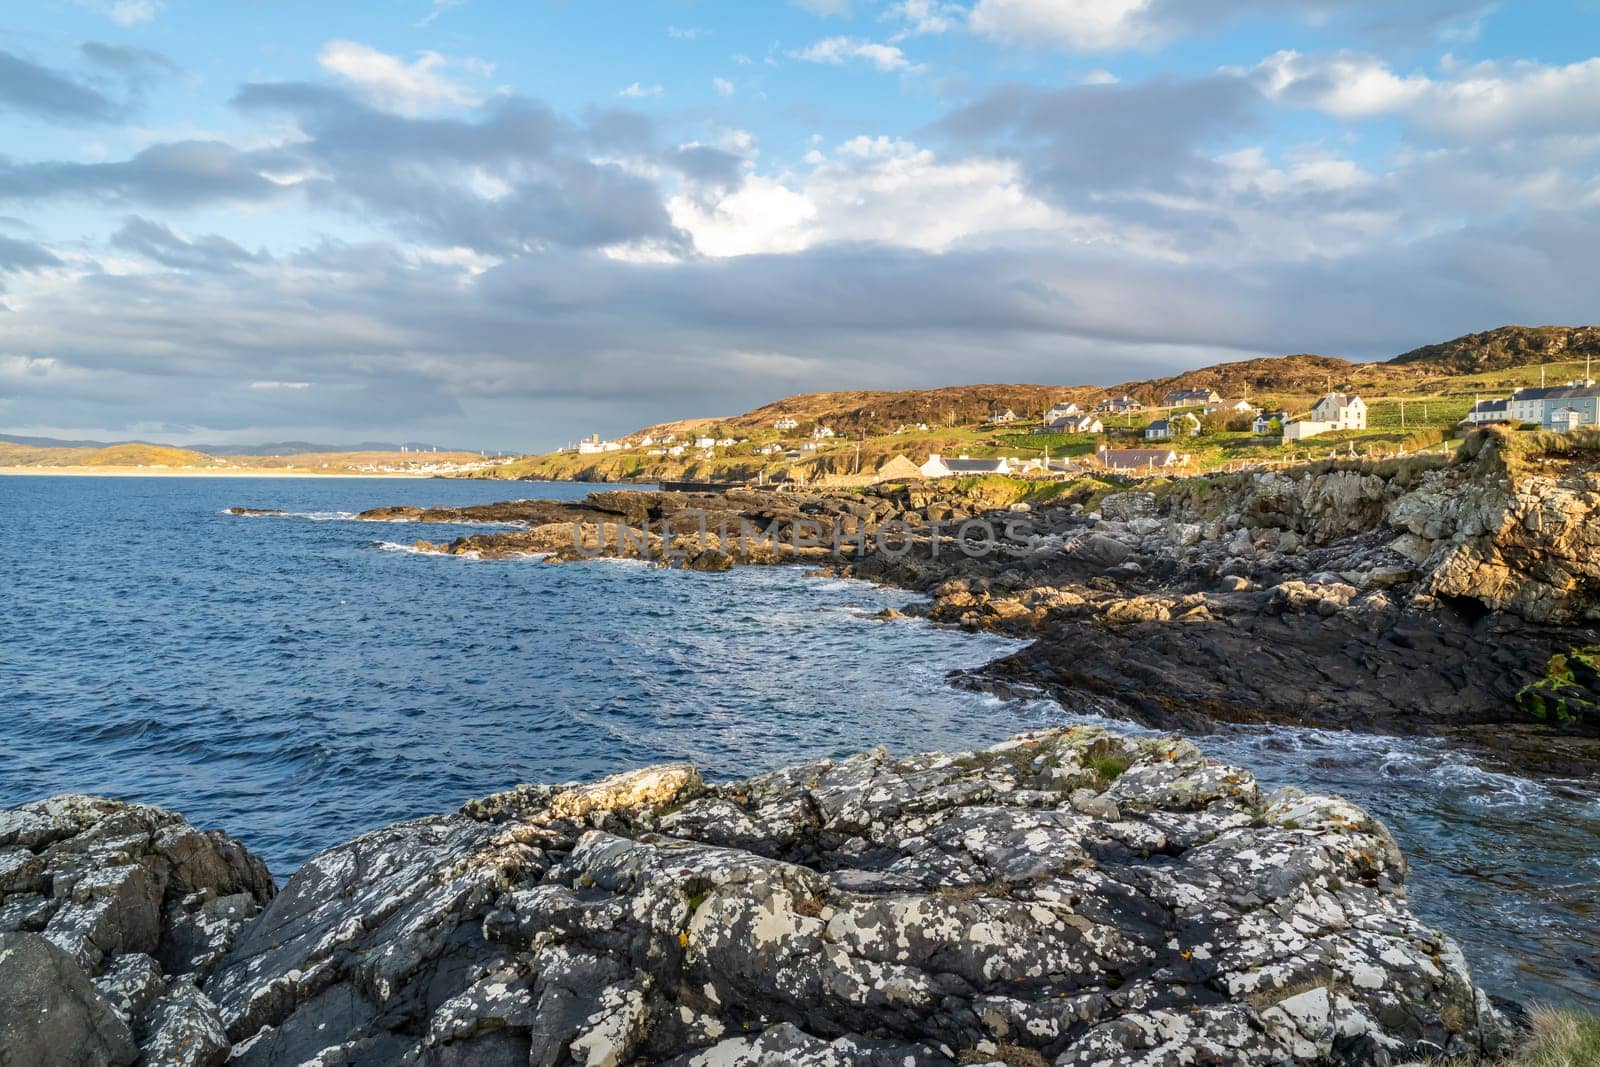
pixel 506 223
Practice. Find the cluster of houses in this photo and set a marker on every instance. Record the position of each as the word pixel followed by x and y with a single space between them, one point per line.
pixel 1564 408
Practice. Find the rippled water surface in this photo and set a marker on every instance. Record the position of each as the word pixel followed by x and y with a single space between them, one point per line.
pixel 297 680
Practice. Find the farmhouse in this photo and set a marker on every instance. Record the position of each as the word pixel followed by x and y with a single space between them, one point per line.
pixel 1334 412
pixel 1167 429
pixel 1269 422
pixel 1062 411
pixel 786 423
pixel 1138 460
pixel 938 466
pixel 1119 405
pixel 1077 424
pixel 1180 398
pixel 1003 417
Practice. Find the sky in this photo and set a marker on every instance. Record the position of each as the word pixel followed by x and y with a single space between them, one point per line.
pixel 505 225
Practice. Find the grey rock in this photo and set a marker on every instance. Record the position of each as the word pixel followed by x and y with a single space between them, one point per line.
pixel 50 1013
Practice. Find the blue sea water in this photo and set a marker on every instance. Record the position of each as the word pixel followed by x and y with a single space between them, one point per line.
pixel 299 679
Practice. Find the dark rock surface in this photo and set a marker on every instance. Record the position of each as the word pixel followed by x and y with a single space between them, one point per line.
pixel 1072 896
pixel 111 914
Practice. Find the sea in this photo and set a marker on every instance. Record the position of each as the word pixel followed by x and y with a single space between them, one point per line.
pixel 298 679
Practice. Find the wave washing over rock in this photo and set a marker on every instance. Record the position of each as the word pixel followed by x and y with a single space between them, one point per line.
pixel 1071 897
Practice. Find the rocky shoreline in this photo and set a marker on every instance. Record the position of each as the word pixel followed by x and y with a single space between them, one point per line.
pixel 1408 597
pixel 1069 897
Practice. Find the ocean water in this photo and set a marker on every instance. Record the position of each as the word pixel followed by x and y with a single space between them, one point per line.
pixel 299 679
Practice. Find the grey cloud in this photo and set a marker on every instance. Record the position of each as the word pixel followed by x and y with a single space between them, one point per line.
pixel 31 89
pixel 420 172
pixel 154 241
pixel 20 255
pixel 137 67
pixel 179 174
pixel 1091 139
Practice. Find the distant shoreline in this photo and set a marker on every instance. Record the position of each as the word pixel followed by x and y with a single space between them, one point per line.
pixel 178 472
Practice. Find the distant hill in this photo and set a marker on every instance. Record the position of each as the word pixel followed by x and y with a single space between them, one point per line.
pixel 271 448
pixel 1507 347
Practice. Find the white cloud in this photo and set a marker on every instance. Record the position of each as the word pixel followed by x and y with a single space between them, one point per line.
pixel 838 50
pixel 687 33
pixel 125 12
pixel 1483 102
pixel 1083 25
pixel 723 86
pixel 925 17
pixel 639 92
pixel 1345 85
pixel 409 88
pixel 293 387
pixel 871 189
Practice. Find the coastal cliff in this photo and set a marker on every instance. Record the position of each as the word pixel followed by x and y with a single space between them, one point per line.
pixel 1070 897
pixel 1420 595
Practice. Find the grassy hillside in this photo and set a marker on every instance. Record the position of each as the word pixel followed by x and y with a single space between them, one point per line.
pixel 1415 402
pixel 1507 347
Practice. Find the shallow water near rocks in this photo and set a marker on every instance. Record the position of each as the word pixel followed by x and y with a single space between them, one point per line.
pixel 296 681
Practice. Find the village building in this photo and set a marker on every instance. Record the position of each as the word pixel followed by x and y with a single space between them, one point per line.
pixel 1488 412
pixel 938 466
pixel 1003 417
pixel 705 442
pixel 1182 398
pixel 1269 422
pixel 1062 411
pixel 1138 460
pixel 821 433
pixel 1119 405
pixel 592 444
pixel 1077 424
pixel 1167 429
pixel 1331 414
pixel 1235 407
pixel 786 423
pixel 1568 418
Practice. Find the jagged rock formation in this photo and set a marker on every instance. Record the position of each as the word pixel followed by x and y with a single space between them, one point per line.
pixel 110 916
pixel 1069 897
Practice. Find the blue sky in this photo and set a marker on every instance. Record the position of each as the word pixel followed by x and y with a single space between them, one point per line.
pixel 504 225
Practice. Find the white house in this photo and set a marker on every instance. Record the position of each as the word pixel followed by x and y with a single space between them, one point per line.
pixel 1167 429
pixel 592 444
pixel 705 442
pixel 1236 407
pixel 1269 422
pixel 1346 412
pixel 1334 412
pixel 726 442
pixel 1003 417
pixel 646 441
pixel 938 466
pixel 1062 411
pixel 1077 424
pixel 821 433
pixel 786 423
pixel 1488 411
pixel 1119 405
pixel 676 450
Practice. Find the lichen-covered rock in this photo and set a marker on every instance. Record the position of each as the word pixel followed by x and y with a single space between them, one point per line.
pixel 1073 896
pixel 122 896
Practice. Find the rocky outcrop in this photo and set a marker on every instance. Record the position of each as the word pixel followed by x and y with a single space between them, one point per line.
pixel 1070 897
pixel 111 914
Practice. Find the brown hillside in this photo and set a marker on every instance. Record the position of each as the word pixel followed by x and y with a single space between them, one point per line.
pixel 1508 346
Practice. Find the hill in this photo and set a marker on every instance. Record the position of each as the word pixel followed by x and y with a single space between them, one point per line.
pixel 1508 347
pixel 1415 401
